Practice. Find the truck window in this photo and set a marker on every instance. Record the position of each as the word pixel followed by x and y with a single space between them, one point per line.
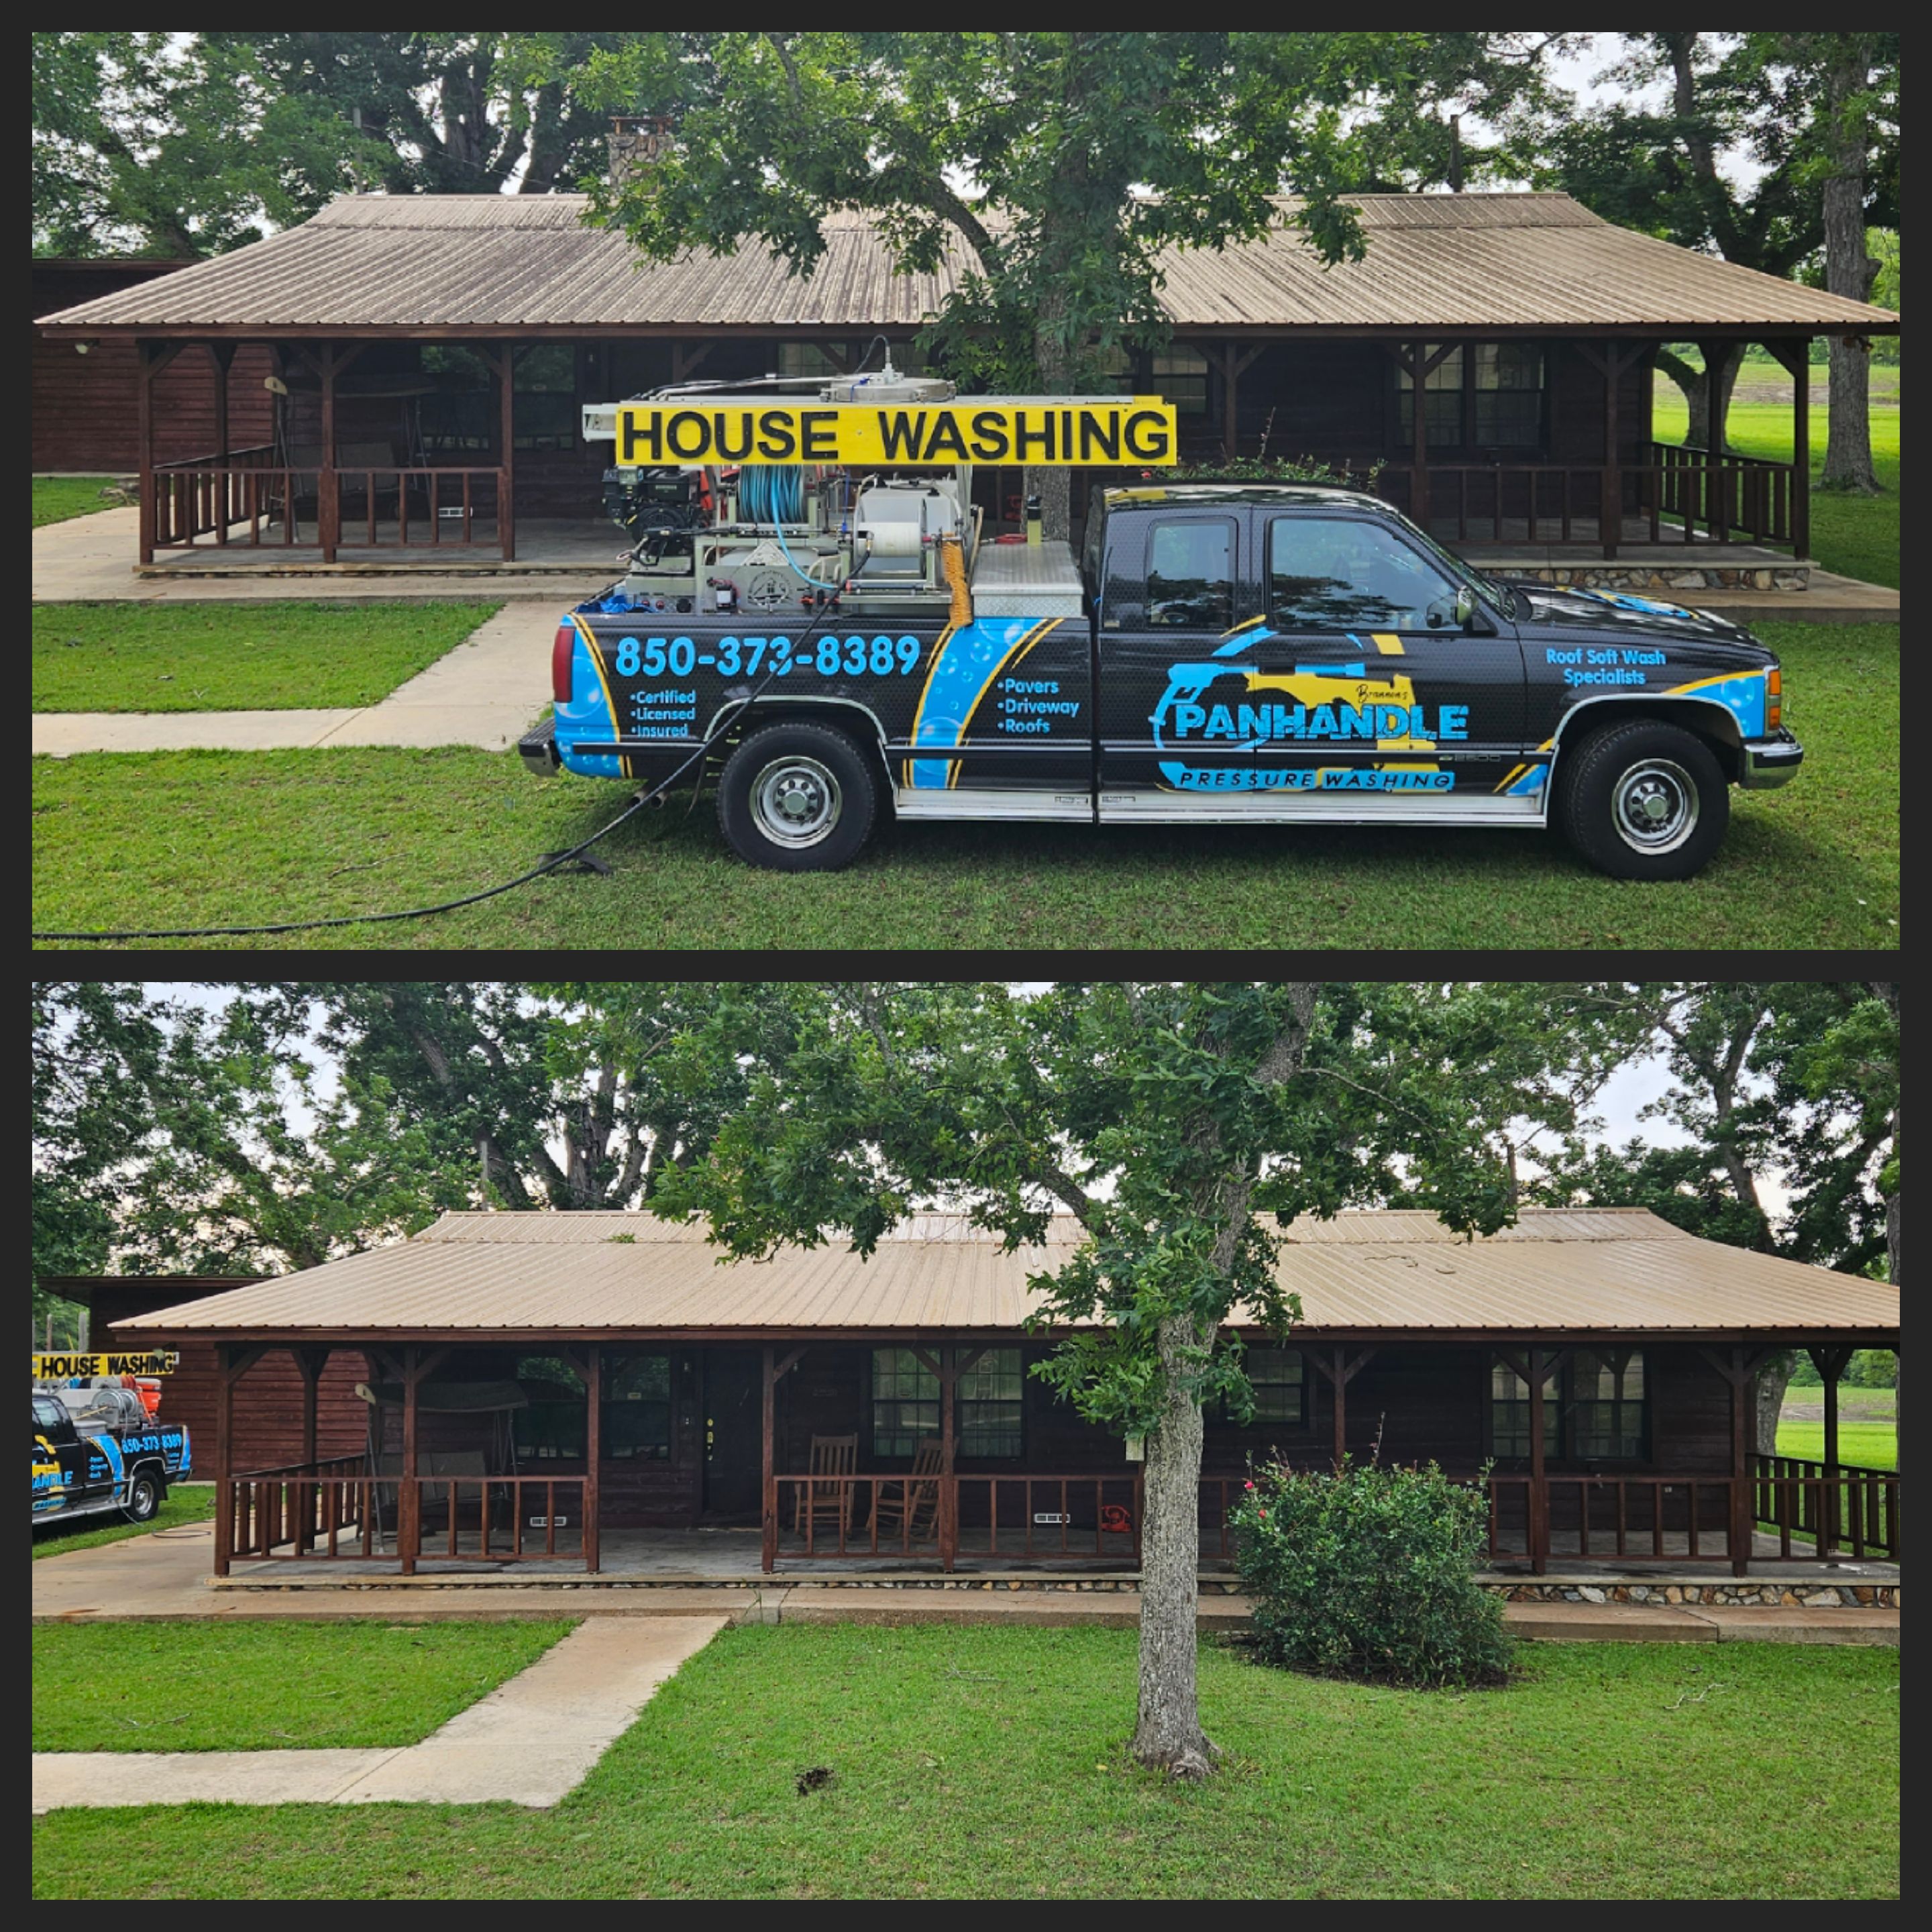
pixel 1191 573
pixel 48 1413
pixel 1343 574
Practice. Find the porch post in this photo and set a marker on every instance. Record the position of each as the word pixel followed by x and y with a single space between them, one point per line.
pixel 506 518
pixel 768 1550
pixel 1830 1364
pixel 408 1502
pixel 224 1421
pixel 328 515
pixel 144 396
pixel 1418 488
pixel 593 1457
pixel 1339 1378
pixel 1610 523
pixel 1742 1514
pixel 1801 452
pixel 223 354
pixel 1539 1495
pixel 309 1365
pixel 949 1490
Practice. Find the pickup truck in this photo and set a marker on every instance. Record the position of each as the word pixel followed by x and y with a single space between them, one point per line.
pixel 105 1455
pixel 1290 654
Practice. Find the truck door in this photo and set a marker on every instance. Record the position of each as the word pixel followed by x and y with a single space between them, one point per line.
pixel 1356 681
pixel 1167 603
pixel 60 1458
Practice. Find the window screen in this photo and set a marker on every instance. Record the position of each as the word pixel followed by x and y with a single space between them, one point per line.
pixel 1345 573
pixel 637 1407
pixel 1191 574
pixel 905 1402
pixel 1509 394
pixel 551 1428
pixel 987 1404
pixel 1180 375
pixel 543 408
pixel 1607 1405
pixel 1279 1391
pixel 1442 389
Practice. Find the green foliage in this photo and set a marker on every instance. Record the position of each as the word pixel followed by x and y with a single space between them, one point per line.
pixel 1265 469
pixel 1057 167
pixel 58 498
pixel 981 1761
pixel 1368 1571
pixel 1869 1368
pixel 268 1685
pixel 222 837
pixel 236 657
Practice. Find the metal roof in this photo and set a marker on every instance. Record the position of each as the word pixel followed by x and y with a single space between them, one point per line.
pixel 498 261
pixel 1557 1269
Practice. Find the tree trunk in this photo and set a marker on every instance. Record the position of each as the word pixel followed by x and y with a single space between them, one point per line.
pixel 1707 391
pixel 1848 270
pixel 1772 1379
pixel 1052 483
pixel 1169 1736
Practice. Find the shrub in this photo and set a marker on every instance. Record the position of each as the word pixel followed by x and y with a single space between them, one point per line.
pixel 1370 1573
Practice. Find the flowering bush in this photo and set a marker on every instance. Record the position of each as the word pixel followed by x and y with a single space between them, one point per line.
pixel 1370 1573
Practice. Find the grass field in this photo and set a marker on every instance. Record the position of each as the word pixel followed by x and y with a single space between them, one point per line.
pixel 237 657
pixel 58 498
pixel 1855 535
pixel 195 1503
pixel 194 1687
pixel 1867 1445
pixel 207 838
pixel 988 1763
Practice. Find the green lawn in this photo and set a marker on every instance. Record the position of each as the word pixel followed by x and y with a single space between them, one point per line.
pixel 1855 535
pixel 1867 1445
pixel 988 1763
pixel 184 1687
pixel 215 838
pixel 195 1503
pixel 58 498
pixel 237 657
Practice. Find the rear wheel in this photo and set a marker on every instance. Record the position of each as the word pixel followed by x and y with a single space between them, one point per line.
pixel 798 798
pixel 144 1498
pixel 1643 800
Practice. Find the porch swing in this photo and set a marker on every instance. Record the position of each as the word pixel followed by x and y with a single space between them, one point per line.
pixel 497 1400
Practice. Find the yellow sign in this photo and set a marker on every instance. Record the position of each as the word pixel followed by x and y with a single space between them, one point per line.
pixel 67 1368
pixel 1111 430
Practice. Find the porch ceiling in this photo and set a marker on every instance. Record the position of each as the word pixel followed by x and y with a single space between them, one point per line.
pixel 1558 1271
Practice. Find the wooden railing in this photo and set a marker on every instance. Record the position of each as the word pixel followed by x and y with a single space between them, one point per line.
pixel 1855 1511
pixel 1732 497
pixel 336 1511
pixel 249 502
pixel 838 1516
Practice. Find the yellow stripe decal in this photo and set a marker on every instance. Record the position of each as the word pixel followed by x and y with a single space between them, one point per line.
pixel 1510 777
pixel 1388 644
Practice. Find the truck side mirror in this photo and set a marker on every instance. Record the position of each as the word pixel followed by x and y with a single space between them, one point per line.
pixel 1465 606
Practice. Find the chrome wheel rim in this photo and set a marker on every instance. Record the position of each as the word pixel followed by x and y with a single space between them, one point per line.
pixel 1655 806
pixel 796 802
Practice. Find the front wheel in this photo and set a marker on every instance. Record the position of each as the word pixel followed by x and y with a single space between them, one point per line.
pixel 1643 801
pixel 797 798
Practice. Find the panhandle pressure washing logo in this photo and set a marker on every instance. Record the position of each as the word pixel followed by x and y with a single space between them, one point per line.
pixel 1319 705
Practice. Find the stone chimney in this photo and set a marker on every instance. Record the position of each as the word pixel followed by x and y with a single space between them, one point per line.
pixel 635 141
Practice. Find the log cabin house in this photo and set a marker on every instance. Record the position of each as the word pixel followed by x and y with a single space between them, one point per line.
pixel 433 354
pixel 571 1390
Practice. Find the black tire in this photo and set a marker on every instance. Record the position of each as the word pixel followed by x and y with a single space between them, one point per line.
pixel 1642 800
pixel 798 798
pixel 144 1497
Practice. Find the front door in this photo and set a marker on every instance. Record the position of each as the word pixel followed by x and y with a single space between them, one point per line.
pixel 734 1442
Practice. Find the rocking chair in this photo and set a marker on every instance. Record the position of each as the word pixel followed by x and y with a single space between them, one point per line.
pixel 910 1508
pixel 827 1497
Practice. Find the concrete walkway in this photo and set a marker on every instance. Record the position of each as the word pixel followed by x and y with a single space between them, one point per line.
pixel 529 1742
pixel 163 1578
pixel 487 691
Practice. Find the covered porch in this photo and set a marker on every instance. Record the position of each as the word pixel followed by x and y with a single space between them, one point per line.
pixel 648 1456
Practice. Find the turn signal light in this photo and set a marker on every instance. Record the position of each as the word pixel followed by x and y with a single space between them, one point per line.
pixel 1774 699
pixel 561 651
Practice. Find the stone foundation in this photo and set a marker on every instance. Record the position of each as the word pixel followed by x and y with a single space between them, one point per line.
pixel 1663 579
pixel 1766 1595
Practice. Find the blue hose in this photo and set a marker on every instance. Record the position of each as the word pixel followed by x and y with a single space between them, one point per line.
pixel 771 492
